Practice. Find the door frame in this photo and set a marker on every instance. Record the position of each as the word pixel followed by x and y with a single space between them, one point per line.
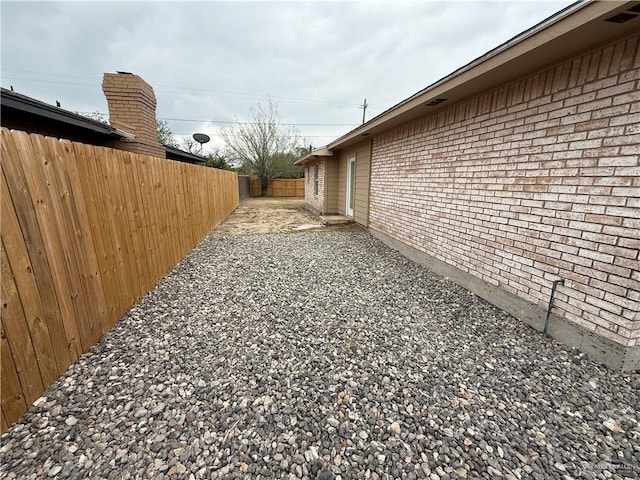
pixel 351 186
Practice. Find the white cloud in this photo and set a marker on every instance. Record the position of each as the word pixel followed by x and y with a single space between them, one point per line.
pixel 214 60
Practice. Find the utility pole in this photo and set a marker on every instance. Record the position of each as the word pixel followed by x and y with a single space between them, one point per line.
pixel 364 109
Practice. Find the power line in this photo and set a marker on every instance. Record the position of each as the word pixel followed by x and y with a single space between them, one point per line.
pixel 256 123
pixel 208 92
pixel 235 122
pixel 48 81
pixel 215 134
pixel 179 89
pixel 47 73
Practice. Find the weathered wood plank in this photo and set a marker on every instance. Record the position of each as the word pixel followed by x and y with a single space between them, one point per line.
pixel 27 256
pixel 107 213
pixel 165 218
pixel 93 205
pixel 73 200
pixel 148 217
pixel 18 336
pixel 114 172
pixel 65 336
pixel 74 252
pixel 64 251
pixel 169 202
pixel 13 402
pixel 137 223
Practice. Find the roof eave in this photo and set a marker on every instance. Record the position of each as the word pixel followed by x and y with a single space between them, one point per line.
pixel 321 152
pixel 187 156
pixel 123 134
pixel 34 107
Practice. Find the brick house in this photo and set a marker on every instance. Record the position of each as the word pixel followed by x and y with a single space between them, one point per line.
pixel 516 170
pixel 132 114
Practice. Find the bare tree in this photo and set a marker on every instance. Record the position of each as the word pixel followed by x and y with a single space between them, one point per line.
pixel 261 143
pixel 97 116
pixel 188 144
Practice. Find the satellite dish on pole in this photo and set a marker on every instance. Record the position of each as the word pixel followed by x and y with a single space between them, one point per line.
pixel 201 138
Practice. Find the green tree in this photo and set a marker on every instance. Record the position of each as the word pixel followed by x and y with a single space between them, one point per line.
pixel 165 135
pixel 263 146
pixel 218 159
pixel 285 164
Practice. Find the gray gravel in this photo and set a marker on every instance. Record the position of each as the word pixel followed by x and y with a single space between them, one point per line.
pixel 325 355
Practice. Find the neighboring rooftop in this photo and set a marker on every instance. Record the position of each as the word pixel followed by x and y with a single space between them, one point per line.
pixel 35 116
pixel 20 112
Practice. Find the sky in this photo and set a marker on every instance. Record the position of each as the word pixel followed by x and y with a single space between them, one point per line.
pixel 211 62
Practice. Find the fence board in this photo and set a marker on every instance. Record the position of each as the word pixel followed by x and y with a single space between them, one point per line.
pixel 147 221
pixel 109 173
pixel 280 187
pixel 144 174
pixel 76 211
pixel 117 174
pixel 102 183
pixel 14 403
pixel 49 323
pixel 101 243
pixel 173 227
pixel 18 337
pixel 86 232
pixel 62 328
pixel 56 225
pixel 159 200
pixel 136 217
pixel 75 254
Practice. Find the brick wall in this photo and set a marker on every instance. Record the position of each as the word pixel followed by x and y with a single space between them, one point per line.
pixel 534 181
pixel 132 108
pixel 316 202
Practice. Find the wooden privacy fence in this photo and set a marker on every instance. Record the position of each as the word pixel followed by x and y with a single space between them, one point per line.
pixel 280 187
pixel 86 232
pixel 244 187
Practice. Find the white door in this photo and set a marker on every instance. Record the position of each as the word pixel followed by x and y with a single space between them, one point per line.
pixel 351 185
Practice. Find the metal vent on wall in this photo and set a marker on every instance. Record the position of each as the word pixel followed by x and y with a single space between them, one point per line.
pixel 625 16
pixel 435 102
pixel 621 17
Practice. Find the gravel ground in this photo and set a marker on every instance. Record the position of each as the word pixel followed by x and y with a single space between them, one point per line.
pixel 325 355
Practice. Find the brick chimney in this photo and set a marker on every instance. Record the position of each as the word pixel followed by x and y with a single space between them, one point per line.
pixel 132 108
